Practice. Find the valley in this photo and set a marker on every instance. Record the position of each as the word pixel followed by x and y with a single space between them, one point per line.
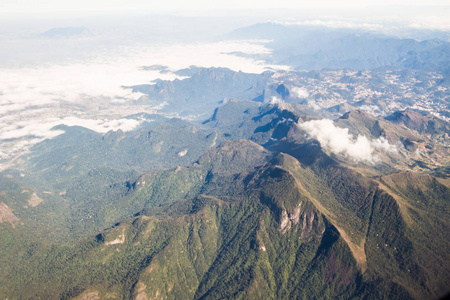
pixel 312 182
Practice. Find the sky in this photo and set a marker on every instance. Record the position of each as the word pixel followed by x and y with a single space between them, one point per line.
pixel 152 6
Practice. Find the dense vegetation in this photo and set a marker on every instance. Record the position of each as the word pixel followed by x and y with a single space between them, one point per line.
pixel 271 218
pixel 223 229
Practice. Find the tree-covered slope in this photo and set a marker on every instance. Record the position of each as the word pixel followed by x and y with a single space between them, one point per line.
pixel 246 223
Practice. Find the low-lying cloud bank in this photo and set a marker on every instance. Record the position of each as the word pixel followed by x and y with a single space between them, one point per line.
pixel 105 74
pixel 340 141
pixel 34 98
pixel 19 137
pixel 44 130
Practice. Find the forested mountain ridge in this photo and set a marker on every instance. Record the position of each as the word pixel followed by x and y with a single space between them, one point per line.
pixel 317 184
pixel 246 222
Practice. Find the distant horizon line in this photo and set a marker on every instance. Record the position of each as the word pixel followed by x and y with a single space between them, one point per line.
pixel 206 12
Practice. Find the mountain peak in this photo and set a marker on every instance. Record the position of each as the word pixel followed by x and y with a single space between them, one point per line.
pixel 356 114
pixel 421 122
pixel 234 156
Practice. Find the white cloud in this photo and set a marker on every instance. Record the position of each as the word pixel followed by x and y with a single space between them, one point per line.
pixel 373 110
pixel 90 92
pixel 441 23
pixel 338 140
pixel 336 24
pixel 19 137
pixel 381 20
pixel 274 100
pixel 300 92
pixel 105 75
pixel 314 105
pixel 383 144
pixel 43 129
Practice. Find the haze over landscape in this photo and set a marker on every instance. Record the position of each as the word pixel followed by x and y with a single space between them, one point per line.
pixel 239 150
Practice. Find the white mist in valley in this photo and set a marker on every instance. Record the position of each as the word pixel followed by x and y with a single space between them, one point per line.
pixel 95 92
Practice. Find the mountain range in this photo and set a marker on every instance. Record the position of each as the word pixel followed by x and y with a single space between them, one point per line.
pixel 304 184
pixel 276 217
pixel 314 48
